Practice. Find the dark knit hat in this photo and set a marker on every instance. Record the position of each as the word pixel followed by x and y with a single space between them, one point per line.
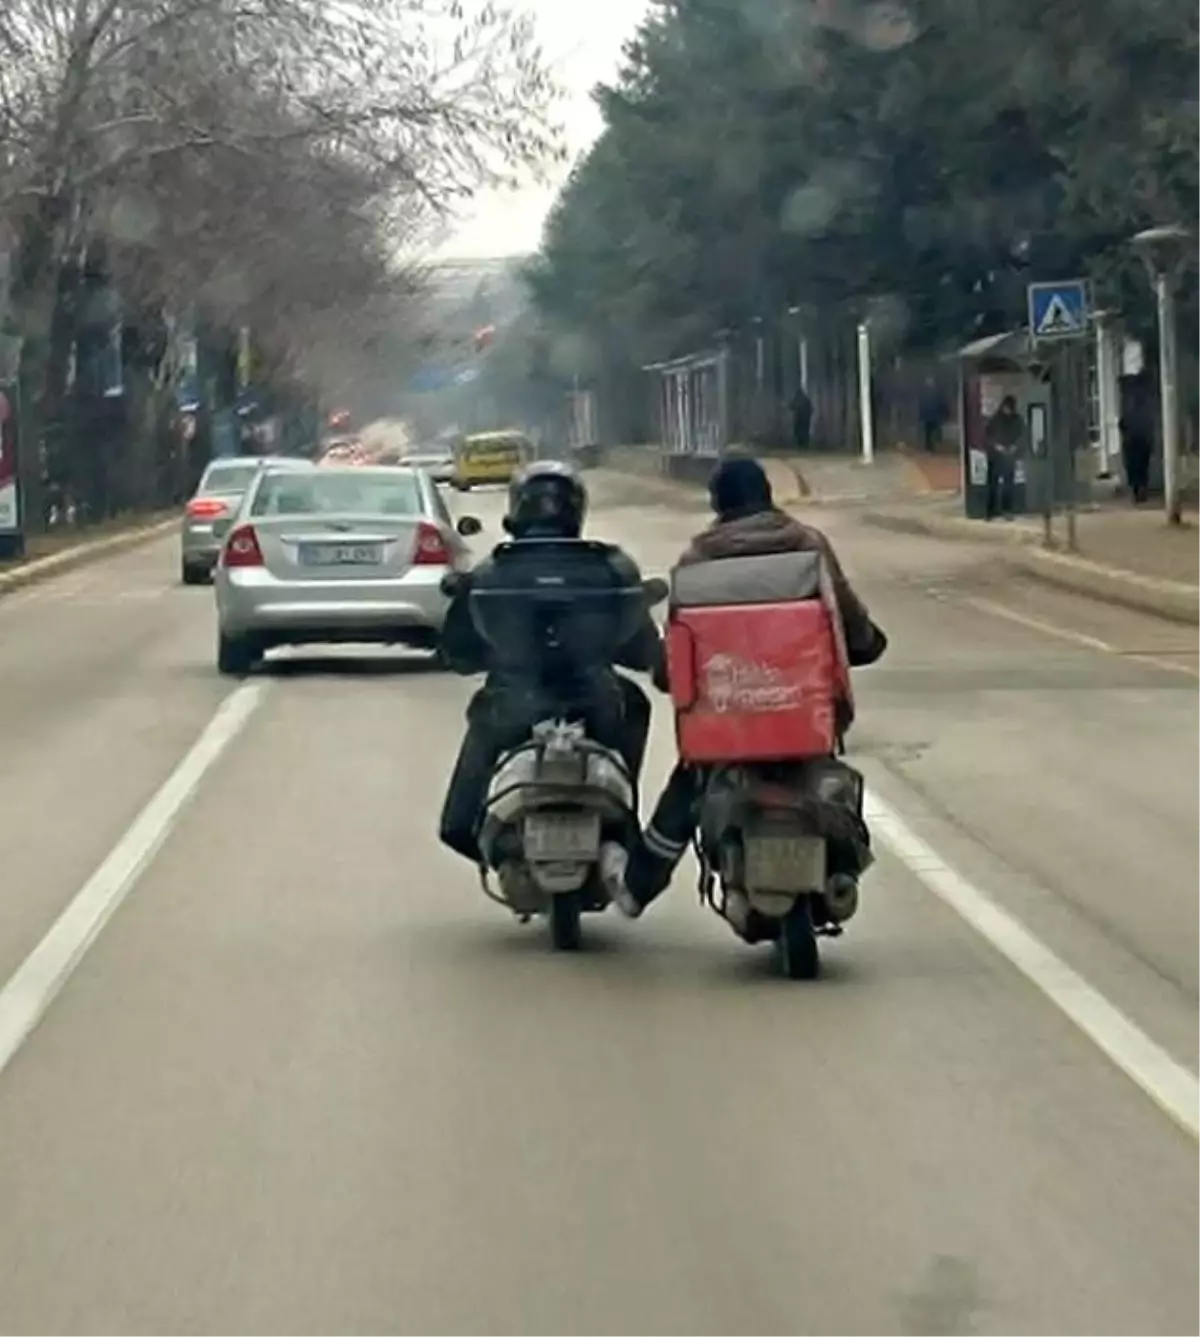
pixel 739 486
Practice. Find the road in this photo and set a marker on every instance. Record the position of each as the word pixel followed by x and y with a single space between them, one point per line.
pixel 307 1080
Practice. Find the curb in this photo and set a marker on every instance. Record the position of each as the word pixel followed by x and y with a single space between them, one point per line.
pixel 644 489
pixel 949 527
pixel 45 568
pixel 1169 599
pixel 1173 600
pixel 787 482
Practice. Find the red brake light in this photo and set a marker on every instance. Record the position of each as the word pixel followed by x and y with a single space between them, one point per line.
pixel 241 548
pixel 431 548
pixel 205 508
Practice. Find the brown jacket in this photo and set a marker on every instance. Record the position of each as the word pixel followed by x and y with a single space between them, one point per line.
pixel 773 531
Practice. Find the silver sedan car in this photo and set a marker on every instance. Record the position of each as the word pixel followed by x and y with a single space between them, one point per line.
pixel 333 555
pixel 217 497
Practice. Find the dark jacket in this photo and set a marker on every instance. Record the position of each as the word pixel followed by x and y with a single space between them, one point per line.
pixel 467 653
pixel 1004 432
pixel 931 407
pixel 772 531
pixel 1138 422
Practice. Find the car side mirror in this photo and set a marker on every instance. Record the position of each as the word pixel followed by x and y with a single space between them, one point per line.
pixel 656 590
pixel 469 526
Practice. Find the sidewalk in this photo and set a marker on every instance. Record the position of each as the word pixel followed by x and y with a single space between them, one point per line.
pixel 57 552
pixel 894 474
pixel 1125 556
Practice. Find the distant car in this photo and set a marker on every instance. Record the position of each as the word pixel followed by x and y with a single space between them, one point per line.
pixel 438 464
pixel 336 555
pixel 490 457
pixel 348 450
pixel 217 497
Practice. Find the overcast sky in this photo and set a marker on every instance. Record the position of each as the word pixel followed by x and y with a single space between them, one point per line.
pixel 583 43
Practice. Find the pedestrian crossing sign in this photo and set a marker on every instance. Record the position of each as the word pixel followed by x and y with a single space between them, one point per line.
pixel 1058 310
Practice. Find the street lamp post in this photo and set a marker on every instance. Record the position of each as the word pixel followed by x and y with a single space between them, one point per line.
pixel 865 399
pixel 801 347
pixel 1108 408
pixel 1163 251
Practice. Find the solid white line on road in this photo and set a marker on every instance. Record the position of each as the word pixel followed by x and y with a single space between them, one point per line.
pixel 27 995
pixel 1169 1084
pixel 1075 637
pixel 1036 624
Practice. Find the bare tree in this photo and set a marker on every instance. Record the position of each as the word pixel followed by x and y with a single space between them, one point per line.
pixel 270 159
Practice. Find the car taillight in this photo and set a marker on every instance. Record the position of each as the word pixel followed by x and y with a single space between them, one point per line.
pixel 241 548
pixel 205 508
pixel 431 548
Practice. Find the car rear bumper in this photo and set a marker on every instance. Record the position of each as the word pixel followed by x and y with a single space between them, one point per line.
pixel 253 602
pixel 199 546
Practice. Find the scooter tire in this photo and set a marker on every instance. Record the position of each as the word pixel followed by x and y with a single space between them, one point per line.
pixel 799 953
pixel 566 921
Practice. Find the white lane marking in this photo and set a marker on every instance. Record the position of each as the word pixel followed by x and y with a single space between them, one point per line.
pixel 1169 1084
pixel 1036 624
pixel 1075 637
pixel 37 981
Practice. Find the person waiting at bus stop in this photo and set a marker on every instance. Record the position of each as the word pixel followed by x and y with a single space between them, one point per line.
pixel 1004 433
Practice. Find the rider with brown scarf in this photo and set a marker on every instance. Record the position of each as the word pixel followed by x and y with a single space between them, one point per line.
pixel 747 523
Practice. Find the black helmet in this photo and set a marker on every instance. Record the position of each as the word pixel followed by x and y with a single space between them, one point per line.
pixel 739 486
pixel 546 500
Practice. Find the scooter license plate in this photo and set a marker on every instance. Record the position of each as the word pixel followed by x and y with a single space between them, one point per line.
pixel 556 837
pixel 785 863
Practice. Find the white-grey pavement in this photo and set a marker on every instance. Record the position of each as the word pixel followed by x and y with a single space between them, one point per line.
pixel 308 1080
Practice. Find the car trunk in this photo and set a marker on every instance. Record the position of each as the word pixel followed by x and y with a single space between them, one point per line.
pixel 331 547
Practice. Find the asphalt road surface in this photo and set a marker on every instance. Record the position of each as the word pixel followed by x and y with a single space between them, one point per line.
pixel 306 1079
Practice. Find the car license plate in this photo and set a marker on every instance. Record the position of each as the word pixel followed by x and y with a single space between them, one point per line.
pixel 560 836
pixel 341 554
pixel 785 863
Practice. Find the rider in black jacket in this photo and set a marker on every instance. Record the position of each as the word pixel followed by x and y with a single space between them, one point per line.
pixel 547 501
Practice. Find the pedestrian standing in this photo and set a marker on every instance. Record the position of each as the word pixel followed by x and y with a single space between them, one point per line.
pixel 802 416
pixel 1137 438
pixel 1003 436
pixel 931 408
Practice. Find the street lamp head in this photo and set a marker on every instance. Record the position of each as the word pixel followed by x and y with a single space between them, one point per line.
pixel 1171 233
pixel 1163 249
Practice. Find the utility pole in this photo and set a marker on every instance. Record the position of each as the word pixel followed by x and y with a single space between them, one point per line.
pixel 866 414
pixel 1163 251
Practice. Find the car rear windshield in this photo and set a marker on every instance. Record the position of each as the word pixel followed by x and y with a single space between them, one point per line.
pixel 228 477
pixel 338 494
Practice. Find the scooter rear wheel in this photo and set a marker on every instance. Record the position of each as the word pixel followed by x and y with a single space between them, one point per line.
pixel 566 928
pixel 799 955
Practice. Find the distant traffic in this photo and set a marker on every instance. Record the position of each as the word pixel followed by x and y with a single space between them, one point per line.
pixel 347 545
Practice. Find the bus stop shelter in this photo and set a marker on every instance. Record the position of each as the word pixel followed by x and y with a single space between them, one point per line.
pixel 693 410
pixel 990 370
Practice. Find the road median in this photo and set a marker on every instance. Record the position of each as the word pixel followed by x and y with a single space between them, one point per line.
pixel 1020 548
pixel 88 548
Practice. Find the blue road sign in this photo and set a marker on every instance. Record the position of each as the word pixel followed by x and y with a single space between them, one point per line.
pixel 1058 310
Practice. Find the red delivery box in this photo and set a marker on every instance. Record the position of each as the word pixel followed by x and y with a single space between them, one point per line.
pixel 756 659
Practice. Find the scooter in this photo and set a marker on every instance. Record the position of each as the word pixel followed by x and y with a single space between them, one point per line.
pixel 781 849
pixel 560 806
